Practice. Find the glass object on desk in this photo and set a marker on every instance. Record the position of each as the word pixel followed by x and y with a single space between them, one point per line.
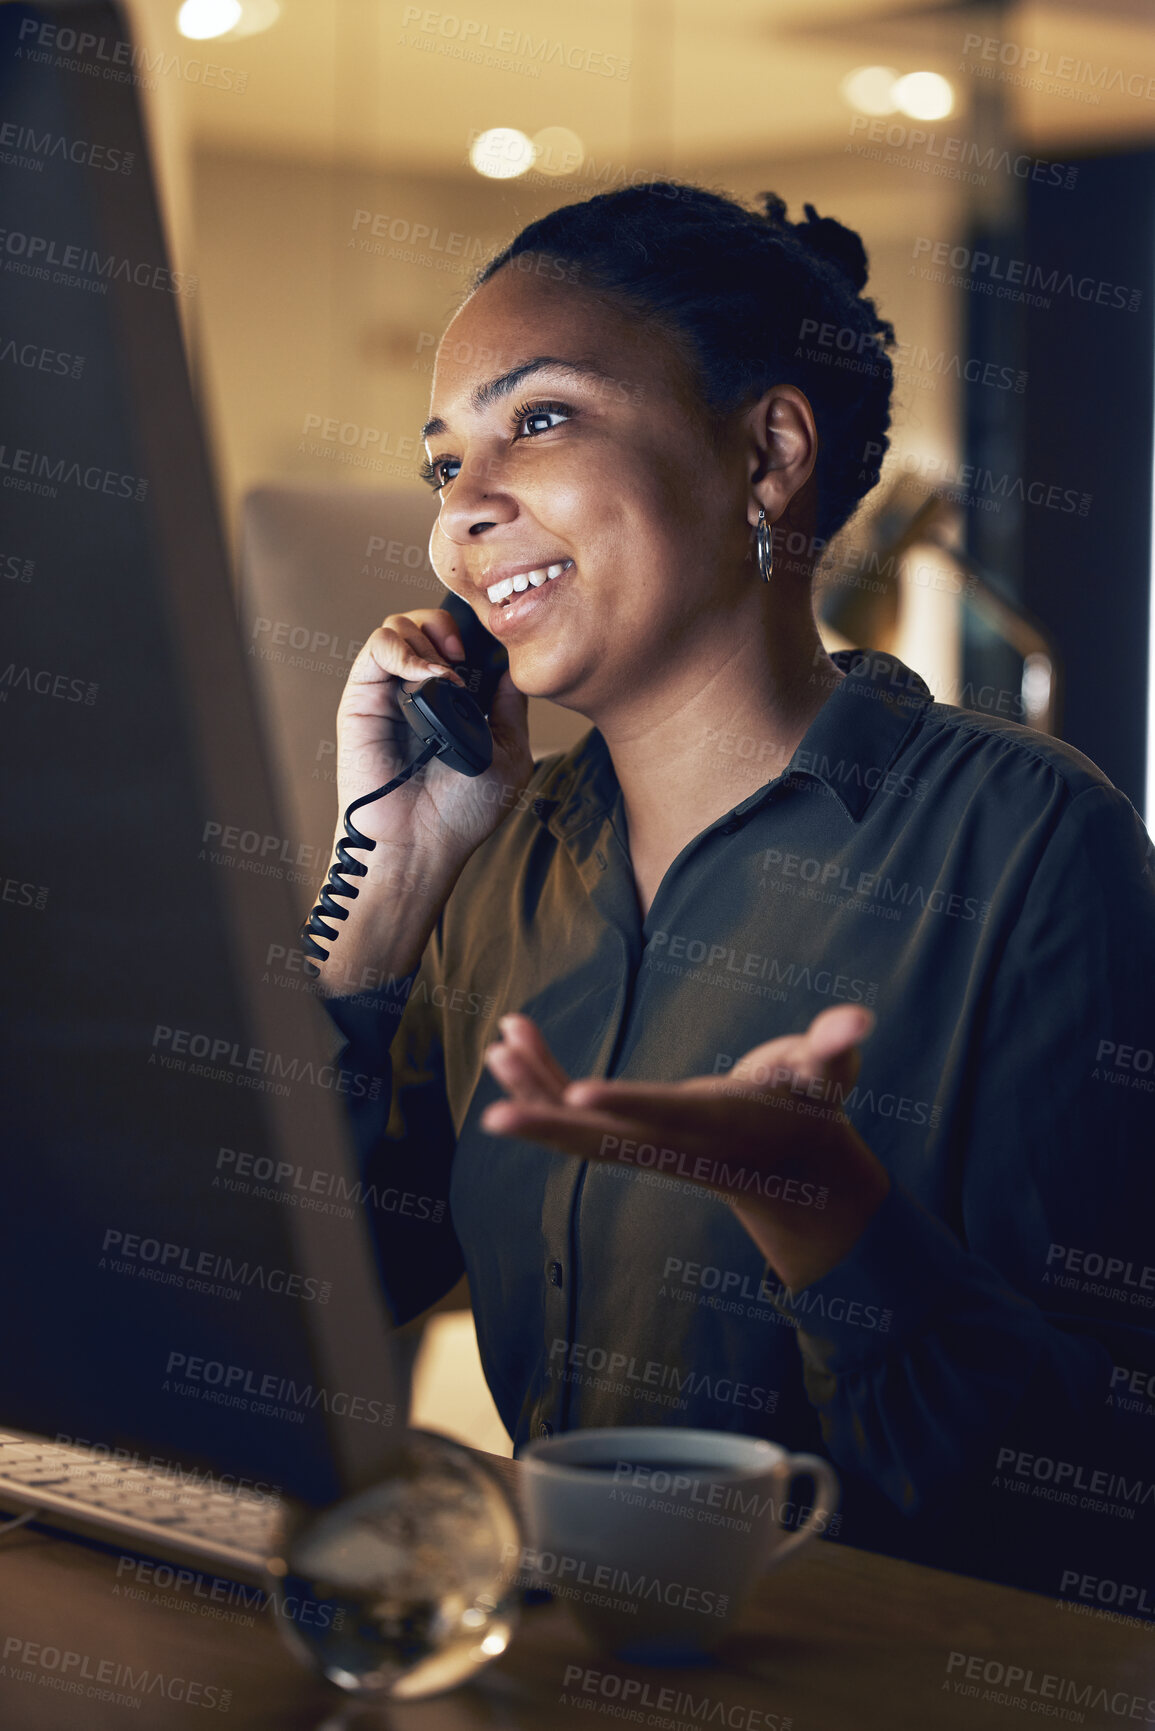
pixel 410 1583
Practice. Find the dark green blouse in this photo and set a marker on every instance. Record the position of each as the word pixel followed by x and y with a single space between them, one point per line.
pixel 990 894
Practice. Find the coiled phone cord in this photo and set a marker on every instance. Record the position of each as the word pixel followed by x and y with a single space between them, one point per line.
pixel 346 866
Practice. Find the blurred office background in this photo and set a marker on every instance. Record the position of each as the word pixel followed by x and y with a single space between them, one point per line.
pixel 334 171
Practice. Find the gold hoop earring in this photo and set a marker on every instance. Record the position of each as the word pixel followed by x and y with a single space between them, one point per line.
pixel 764 539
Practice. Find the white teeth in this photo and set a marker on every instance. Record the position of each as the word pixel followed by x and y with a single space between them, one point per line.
pixel 524 580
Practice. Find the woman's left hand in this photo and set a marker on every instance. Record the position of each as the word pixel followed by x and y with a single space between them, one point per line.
pixel 769 1137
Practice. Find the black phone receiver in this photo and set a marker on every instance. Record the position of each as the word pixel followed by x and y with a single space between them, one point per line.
pixel 449 718
pixel 450 721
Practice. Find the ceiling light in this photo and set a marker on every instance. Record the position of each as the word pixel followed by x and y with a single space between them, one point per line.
pixel 200 19
pixel 924 96
pixel 870 89
pixel 502 153
pixel 557 151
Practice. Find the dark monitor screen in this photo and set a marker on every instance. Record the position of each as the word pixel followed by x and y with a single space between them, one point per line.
pixel 185 1271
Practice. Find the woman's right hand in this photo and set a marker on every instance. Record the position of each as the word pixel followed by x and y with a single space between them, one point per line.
pixel 439 817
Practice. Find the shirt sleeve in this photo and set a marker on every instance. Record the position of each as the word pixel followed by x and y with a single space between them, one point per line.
pixel 403 1133
pixel 1014 1347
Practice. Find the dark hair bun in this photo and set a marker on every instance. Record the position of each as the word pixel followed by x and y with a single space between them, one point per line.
pixel 822 235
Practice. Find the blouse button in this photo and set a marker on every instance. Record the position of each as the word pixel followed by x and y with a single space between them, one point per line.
pixel 545 1428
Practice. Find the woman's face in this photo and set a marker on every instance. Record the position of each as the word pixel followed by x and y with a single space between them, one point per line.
pixel 600 461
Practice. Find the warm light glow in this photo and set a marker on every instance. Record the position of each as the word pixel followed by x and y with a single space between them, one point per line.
pixel 256 15
pixel 200 19
pixel 495 1643
pixel 557 151
pixel 1149 800
pixel 870 89
pixel 1036 688
pixel 502 153
pixel 924 96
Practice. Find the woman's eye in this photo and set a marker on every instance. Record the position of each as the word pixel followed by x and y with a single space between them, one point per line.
pixel 434 474
pixel 532 417
pixel 539 418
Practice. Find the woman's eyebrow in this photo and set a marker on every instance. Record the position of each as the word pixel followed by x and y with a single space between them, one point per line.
pixel 505 383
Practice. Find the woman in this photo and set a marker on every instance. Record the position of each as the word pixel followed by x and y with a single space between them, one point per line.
pixel 835 1001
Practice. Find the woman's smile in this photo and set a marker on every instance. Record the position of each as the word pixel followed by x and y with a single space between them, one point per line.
pixel 525 598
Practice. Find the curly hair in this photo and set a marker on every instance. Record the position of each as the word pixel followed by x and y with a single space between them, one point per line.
pixel 745 292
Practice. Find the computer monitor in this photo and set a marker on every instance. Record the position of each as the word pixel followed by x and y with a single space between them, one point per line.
pixel 186 1269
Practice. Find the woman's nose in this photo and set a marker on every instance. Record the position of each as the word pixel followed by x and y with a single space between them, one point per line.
pixel 476 499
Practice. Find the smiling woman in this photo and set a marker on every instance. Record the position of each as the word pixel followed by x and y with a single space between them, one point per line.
pixel 800 1055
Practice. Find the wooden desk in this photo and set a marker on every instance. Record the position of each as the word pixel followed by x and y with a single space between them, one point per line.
pixel 841 1640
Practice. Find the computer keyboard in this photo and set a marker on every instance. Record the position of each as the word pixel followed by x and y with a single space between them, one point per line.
pixel 149 1509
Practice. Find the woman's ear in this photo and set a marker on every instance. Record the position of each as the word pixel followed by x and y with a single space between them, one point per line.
pixel 784 450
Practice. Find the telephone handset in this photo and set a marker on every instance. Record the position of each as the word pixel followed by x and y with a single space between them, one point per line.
pixel 451 723
pixel 442 713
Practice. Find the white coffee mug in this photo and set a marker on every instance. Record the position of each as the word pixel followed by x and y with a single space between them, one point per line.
pixel 656 1538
